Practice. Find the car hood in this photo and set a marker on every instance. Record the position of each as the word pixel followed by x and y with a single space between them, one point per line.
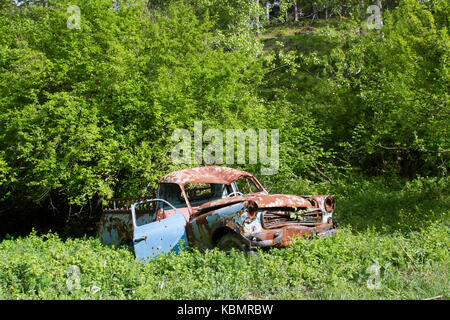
pixel 263 201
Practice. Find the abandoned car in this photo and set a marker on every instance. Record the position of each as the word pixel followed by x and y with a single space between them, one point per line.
pixel 214 206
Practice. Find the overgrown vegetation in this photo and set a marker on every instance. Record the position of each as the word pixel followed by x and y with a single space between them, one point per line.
pixel 87 114
pixel 393 243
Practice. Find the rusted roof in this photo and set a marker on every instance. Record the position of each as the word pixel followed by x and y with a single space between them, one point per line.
pixel 207 174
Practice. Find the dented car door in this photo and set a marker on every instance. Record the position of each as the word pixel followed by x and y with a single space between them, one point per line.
pixel 155 238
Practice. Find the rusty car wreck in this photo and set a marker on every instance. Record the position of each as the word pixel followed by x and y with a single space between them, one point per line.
pixel 214 206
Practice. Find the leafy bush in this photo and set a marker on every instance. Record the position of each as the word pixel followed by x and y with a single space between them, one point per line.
pixel 387 93
pixel 90 111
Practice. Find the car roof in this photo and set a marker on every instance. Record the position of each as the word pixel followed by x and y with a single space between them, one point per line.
pixel 206 174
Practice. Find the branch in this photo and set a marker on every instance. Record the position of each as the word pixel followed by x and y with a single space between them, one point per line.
pixel 409 148
pixel 434 298
pixel 410 258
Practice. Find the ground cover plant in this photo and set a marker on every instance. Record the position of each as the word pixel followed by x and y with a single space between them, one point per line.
pixel 399 252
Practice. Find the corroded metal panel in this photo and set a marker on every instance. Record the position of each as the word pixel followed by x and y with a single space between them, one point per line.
pixel 208 174
pixel 116 224
pixel 116 228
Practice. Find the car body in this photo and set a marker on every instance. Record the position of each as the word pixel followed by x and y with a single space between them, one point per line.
pixel 215 206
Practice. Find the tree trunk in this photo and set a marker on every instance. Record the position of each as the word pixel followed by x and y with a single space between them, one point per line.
pixel 268 11
pixel 295 11
pixel 257 19
pixel 315 12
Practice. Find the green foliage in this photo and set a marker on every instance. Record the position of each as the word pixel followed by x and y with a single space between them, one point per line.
pixel 390 204
pixel 379 96
pixel 391 87
pixel 90 111
pixel 334 268
pixel 389 245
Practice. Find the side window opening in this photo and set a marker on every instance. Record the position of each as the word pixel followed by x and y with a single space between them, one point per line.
pixel 227 190
pixel 172 193
pixel 246 186
pixel 198 193
pixel 147 212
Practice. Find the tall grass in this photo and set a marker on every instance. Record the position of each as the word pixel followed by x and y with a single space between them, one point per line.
pixel 392 243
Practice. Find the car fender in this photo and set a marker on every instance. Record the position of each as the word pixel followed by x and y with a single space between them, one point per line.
pixel 235 217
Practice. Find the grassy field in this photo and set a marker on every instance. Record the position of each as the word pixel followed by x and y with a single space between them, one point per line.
pixel 392 243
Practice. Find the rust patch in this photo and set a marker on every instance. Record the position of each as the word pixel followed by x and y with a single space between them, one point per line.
pixel 207 174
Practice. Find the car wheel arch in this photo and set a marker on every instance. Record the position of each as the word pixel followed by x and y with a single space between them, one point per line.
pixel 219 233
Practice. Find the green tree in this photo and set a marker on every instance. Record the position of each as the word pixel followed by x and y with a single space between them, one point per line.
pixel 90 111
pixel 389 92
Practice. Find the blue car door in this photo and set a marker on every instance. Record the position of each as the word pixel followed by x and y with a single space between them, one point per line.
pixel 155 238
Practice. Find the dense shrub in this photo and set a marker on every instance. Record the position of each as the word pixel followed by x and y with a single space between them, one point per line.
pixel 91 111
